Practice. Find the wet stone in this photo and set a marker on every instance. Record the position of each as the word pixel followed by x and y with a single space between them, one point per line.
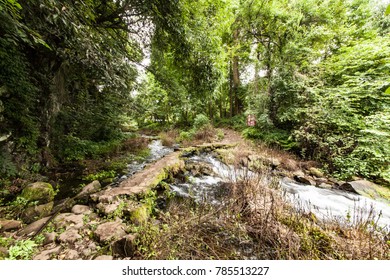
pixel 81 209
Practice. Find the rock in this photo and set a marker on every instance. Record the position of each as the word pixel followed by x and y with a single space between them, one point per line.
pixel 70 236
pixel 81 209
pixel 39 191
pixel 104 258
pixel 3 252
pixel 316 172
pixel 108 209
pixel 34 213
pixel 124 247
pixel 71 255
pixel 303 180
pixel 298 173
pixel 270 161
pixel 8 225
pixel 110 231
pixel 66 220
pixel 176 147
pixel 325 186
pixel 86 252
pixel 90 189
pixel 144 180
pixel 92 246
pixel 50 237
pixel 34 227
pixel 47 254
pixel 368 189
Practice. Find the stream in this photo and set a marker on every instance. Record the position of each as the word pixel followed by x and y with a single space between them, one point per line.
pixel 210 187
pixel 326 204
pixel 157 151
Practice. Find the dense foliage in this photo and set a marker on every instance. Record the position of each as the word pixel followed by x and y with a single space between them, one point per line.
pixel 67 70
pixel 314 73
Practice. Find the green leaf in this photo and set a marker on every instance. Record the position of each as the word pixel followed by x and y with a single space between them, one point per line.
pixel 387 12
pixel 387 90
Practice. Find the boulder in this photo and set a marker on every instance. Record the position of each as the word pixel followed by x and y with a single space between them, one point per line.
pixel 108 209
pixel 124 247
pixel 90 189
pixel 303 180
pixel 368 189
pixel 81 209
pixel 8 225
pixel 316 172
pixel 110 231
pixel 50 237
pixel 33 228
pixel 39 191
pixel 34 213
pixel 66 220
pixel 47 254
pixel 71 255
pixel 70 236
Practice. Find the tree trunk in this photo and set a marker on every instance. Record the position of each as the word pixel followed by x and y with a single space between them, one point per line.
pixel 236 78
pixel 231 90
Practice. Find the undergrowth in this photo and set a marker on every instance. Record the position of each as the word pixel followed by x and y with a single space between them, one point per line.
pixel 255 222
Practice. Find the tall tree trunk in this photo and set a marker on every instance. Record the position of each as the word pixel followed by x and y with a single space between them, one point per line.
pixel 231 90
pixel 236 77
pixel 272 108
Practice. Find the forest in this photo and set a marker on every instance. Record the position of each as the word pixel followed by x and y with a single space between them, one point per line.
pixel 87 85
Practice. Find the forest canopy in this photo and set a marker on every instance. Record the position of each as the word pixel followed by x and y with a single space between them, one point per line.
pixel 314 73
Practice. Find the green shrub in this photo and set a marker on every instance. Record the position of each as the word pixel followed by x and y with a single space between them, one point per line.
pixel 184 136
pixel 22 250
pixel 252 133
pixel 200 121
pixel 271 136
pixel 102 175
pixel 75 149
pixel 220 134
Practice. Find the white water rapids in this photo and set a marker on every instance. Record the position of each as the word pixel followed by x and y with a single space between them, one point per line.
pixel 326 204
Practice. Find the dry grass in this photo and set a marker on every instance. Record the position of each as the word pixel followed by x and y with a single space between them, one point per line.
pixel 255 222
pixel 134 144
pixel 168 138
pixel 206 134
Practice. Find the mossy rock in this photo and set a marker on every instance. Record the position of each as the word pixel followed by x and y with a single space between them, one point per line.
pixel 316 172
pixel 40 192
pixel 140 215
pixel 35 213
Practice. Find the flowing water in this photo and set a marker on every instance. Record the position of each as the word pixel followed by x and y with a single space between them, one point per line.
pixel 326 204
pixel 331 204
pixel 157 151
pixel 69 181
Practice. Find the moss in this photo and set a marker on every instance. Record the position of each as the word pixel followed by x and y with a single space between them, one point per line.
pixel 40 192
pixel 140 215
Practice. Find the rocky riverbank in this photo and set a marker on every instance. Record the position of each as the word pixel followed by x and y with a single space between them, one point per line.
pixel 108 223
